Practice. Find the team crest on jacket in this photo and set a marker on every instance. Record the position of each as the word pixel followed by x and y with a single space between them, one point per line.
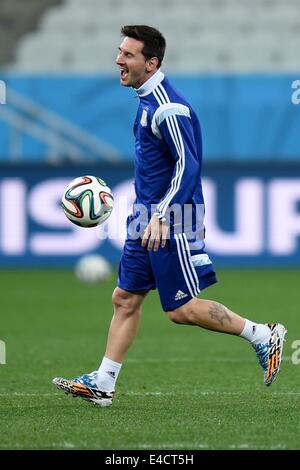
pixel 144 118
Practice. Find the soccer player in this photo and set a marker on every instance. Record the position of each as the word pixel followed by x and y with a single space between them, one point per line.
pixel 161 252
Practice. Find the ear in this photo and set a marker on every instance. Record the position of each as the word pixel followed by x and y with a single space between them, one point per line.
pixel 152 64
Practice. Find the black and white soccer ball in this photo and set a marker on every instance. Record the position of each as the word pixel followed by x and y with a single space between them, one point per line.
pixel 91 269
pixel 87 201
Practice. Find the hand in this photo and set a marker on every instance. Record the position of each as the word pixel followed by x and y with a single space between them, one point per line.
pixel 155 233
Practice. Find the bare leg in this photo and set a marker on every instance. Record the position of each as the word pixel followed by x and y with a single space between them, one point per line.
pixel 210 315
pixel 124 324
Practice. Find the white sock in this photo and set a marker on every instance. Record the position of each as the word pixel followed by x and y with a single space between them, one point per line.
pixel 256 332
pixel 107 375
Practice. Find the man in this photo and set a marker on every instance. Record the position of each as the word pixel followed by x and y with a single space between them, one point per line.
pixel 165 243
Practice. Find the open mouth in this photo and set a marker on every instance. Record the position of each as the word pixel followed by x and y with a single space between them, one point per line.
pixel 123 74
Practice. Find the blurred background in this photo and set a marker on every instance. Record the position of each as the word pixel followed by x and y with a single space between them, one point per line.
pixel 63 114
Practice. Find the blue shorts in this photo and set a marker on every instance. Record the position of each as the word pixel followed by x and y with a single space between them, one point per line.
pixel 178 273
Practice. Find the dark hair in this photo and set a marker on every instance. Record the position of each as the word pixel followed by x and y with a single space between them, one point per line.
pixel 154 42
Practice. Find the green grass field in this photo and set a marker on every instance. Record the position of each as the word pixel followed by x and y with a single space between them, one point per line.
pixel 181 387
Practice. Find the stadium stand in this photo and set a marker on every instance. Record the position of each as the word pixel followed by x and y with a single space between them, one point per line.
pixel 16 20
pixel 58 54
pixel 203 35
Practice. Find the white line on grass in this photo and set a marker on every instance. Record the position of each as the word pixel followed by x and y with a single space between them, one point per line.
pixel 168 445
pixel 64 445
pixel 156 393
pixel 173 445
pixel 199 445
pixel 250 446
pixel 202 360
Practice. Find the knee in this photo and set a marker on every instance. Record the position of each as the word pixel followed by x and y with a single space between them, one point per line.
pixel 176 317
pixel 183 315
pixel 124 302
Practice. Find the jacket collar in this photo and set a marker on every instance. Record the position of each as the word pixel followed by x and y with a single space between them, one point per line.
pixel 150 84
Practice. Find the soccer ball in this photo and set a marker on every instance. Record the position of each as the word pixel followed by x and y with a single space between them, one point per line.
pixel 87 201
pixel 92 269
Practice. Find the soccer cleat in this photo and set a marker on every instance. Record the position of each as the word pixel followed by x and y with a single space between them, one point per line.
pixel 85 386
pixel 270 354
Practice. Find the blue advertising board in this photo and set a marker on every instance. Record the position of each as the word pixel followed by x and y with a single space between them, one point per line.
pixel 252 215
pixel 90 117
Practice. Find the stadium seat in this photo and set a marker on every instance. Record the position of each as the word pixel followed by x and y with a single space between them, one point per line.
pixel 202 35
